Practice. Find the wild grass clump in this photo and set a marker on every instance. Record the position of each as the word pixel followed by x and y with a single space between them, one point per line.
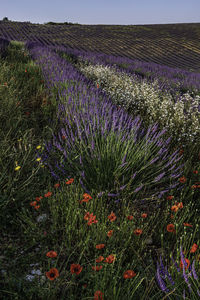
pixel 66 243
pixel 22 122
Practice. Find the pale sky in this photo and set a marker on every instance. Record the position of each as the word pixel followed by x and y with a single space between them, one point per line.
pixel 116 12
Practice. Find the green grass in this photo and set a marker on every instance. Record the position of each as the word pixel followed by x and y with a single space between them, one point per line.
pixel 26 241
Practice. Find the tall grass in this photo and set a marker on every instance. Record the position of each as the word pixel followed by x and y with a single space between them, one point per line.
pixel 67 244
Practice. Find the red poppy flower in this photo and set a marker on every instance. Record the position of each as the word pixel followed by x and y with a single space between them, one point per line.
pixel 129 274
pixel 170 197
pixel 174 208
pixel 112 217
pixel 52 274
pixel 170 228
pixel 182 179
pixel 87 196
pixel 48 194
pixel 69 181
pixel 110 259
pixel 144 215
pixel 51 254
pixel 56 185
pixel 98 295
pixel 97 268
pixel 187 224
pixel 87 216
pixel 100 246
pixel 76 268
pixel 138 231
pixel 38 198
pixel 99 259
pixel 194 248
pixel 188 263
pixel 109 234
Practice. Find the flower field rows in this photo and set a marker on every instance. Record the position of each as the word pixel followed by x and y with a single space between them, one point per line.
pixel 103 188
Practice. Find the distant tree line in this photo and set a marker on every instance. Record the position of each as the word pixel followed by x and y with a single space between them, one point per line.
pixel 64 23
pixel 5 19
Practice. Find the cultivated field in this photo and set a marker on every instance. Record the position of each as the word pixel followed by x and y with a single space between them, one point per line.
pixel 99 161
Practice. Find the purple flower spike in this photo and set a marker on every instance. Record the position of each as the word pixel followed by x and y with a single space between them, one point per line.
pixel 183 259
pixel 193 271
pixel 139 188
pixel 124 158
pixel 159 177
pixel 100 194
pixel 161 268
pixel 160 281
pixel 185 276
pixel 113 195
pixel 122 165
pixel 133 176
pixel 169 276
pixel 122 187
pixel 176 265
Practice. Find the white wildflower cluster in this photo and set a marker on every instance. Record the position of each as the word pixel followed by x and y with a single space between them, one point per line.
pixel 181 118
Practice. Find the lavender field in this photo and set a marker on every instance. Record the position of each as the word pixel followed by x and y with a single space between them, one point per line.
pixel 100 163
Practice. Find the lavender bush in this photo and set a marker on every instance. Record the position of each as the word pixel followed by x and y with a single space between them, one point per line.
pixel 95 137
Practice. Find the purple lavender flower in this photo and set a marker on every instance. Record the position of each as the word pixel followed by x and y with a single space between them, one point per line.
pixel 113 195
pixel 93 145
pixel 83 174
pixel 161 268
pixel 169 276
pixel 153 160
pixel 100 194
pixel 183 258
pixel 160 281
pixel 122 165
pixel 133 176
pixel 159 177
pixel 193 271
pixel 176 265
pixel 123 187
pixel 124 158
pixel 139 188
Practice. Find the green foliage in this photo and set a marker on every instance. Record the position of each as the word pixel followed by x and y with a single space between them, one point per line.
pixel 23 123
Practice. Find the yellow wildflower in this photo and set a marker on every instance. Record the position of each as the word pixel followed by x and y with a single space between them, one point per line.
pixel 17 168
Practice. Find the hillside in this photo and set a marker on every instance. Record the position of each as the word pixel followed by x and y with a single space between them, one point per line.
pixel 174 45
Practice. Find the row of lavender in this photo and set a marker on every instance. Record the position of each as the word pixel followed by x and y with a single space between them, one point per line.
pixel 88 121
pixel 170 79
